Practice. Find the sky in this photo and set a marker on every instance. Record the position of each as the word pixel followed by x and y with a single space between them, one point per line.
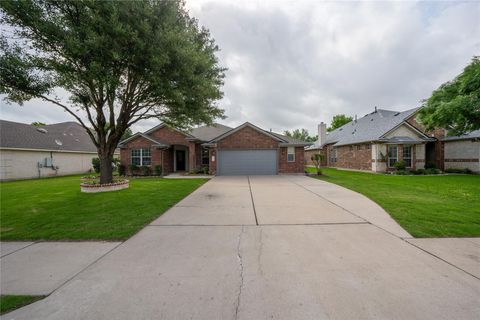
pixel 293 64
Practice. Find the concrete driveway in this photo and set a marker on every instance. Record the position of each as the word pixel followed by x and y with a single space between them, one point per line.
pixel 280 247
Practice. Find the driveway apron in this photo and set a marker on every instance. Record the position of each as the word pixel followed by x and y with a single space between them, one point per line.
pixel 267 247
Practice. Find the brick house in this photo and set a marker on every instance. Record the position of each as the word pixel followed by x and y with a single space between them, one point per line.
pixel 244 150
pixel 381 138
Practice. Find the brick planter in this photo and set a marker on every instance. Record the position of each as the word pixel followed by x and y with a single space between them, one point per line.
pixel 95 188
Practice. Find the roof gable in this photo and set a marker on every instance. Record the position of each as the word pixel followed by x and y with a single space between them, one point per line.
pixel 248 124
pixel 142 135
pixel 371 127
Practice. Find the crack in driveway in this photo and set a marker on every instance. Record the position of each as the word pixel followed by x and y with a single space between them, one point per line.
pixel 240 261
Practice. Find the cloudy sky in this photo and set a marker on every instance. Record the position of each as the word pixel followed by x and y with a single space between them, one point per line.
pixel 292 64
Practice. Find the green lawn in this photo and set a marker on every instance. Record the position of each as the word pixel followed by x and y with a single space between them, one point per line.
pixel 55 209
pixel 10 303
pixel 426 206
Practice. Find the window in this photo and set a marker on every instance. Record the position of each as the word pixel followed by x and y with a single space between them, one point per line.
pixel 407 156
pixel 368 146
pixel 333 156
pixel 359 147
pixel 351 148
pixel 392 155
pixel 205 157
pixel 141 157
pixel 291 154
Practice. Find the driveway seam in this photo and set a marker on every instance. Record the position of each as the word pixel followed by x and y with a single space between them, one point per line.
pixel 88 266
pixel 253 202
pixel 404 240
pixel 262 224
pixel 434 255
pixel 31 244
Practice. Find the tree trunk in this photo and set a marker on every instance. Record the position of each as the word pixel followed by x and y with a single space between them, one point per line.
pixel 106 169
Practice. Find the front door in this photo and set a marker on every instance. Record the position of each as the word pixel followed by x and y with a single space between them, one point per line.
pixel 180 155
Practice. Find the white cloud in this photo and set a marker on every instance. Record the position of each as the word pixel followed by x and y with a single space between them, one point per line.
pixel 294 64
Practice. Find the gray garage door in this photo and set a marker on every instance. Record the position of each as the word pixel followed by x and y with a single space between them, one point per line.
pixel 246 162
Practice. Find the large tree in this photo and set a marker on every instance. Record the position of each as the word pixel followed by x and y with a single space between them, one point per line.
pixel 338 121
pixel 456 104
pixel 300 134
pixel 110 64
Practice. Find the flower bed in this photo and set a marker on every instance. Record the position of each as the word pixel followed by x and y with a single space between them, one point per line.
pixel 94 186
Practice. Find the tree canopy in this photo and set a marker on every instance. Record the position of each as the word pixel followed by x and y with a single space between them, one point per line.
pixel 455 105
pixel 38 124
pixel 300 134
pixel 118 61
pixel 338 121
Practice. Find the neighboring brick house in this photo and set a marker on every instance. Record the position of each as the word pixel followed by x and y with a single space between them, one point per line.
pixel 244 150
pixel 381 138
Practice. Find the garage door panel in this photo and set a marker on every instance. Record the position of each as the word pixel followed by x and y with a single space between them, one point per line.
pixel 247 162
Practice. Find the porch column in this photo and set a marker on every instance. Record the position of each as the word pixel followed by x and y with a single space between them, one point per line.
pixel 191 157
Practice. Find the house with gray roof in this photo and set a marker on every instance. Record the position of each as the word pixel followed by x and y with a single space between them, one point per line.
pixel 378 140
pixel 28 151
pixel 217 149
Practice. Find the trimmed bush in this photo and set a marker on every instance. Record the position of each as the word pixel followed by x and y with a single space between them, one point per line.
pixel 418 172
pixel 122 170
pixel 400 165
pixel 432 171
pixel 430 165
pixel 146 171
pixel 158 170
pixel 133 168
pixel 96 164
pixel 455 170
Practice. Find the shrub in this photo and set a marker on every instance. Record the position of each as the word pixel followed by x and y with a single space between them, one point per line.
pixel 158 170
pixel 200 170
pixel 133 168
pixel 122 170
pixel 432 171
pixel 146 171
pixel 401 172
pixel 430 165
pixel 418 172
pixel 455 170
pixel 400 165
pixel 96 164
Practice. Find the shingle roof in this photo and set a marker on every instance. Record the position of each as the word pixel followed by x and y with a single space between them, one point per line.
pixel 64 136
pixel 207 133
pixel 471 135
pixel 290 140
pixel 371 127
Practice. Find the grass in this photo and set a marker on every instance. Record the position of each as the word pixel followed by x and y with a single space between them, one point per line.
pixel 10 303
pixel 426 206
pixel 55 209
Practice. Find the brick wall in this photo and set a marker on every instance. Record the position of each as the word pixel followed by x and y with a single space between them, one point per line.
pixel 212 165
pixel 438 133
pixel 350 157
pixel 298 166
pixel 247 138
pixel 310 153
pixel 169 136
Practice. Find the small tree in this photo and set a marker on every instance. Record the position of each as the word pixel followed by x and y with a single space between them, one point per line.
pixel 115 63
pixel 338 121
pixel 317 160
pixel 300 134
